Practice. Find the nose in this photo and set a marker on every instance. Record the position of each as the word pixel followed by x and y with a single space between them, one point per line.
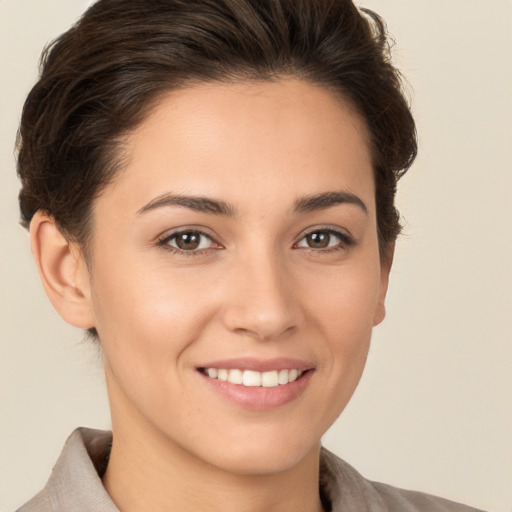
pixel 263 302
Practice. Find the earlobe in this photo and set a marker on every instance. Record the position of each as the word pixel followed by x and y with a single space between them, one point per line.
pixel 385 269
pixel 380 313
pixel 62 270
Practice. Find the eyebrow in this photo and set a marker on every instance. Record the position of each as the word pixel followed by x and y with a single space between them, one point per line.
pixel 196 203
pixel 202 204
pixel 326 200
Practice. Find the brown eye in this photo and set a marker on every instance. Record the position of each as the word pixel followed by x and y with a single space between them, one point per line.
pixel 325 239
pixel 189 241
pixel 318 239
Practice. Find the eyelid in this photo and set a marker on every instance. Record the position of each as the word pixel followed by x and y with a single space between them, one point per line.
pixel 163 240
pixel 346 238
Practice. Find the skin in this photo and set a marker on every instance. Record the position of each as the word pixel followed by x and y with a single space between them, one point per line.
pixel 254 289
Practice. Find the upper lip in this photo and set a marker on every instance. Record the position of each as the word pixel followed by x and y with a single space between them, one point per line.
pixel 259 365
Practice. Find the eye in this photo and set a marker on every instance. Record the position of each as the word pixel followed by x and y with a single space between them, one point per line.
pixel 188 241
pixel 325 239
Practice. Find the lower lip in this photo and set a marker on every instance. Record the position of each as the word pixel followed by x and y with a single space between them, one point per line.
pixel 259 397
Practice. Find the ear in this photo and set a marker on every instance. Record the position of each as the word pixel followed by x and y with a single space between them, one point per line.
pixel 385 269
pixel 63 271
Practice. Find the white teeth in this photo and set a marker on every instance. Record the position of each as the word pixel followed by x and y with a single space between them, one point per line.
pixel 235 376
pixel 253 378
pixel 270 379
pixel 283 377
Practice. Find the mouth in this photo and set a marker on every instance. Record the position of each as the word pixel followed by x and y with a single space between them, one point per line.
pixel 253 378
pixel 255 384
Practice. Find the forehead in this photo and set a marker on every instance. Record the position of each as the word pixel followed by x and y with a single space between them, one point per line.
pixel 262 142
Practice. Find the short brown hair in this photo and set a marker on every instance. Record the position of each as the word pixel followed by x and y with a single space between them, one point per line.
pixel 100 78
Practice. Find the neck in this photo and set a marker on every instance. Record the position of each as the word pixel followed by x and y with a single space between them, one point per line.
pixel 148 472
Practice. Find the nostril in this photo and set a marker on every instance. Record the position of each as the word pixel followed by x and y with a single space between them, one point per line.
pixel 265 331
pixel 261 303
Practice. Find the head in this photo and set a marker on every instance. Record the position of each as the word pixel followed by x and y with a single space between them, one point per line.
pixel 100 79
pixel 110 93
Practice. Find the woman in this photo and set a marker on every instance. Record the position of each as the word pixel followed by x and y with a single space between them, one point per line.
pixel 209 188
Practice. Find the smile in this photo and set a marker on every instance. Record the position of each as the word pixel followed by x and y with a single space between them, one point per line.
pixel 257 384
pixel 252 378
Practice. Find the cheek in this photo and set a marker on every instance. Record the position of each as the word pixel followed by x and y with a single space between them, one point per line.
pixel 146 317
pixel 343 315
pixel 348 296
pixel 342 307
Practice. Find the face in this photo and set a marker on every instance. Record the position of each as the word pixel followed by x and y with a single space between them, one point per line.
pixel 238 243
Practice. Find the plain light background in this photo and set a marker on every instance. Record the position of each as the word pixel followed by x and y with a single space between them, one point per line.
pixel 434 408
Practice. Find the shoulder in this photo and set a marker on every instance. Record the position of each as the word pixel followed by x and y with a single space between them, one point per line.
pixel 348 491
pixel 75 482
pixel 39 503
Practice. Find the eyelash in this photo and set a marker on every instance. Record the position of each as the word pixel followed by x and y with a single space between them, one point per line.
pixel 346 241
pixel 164 242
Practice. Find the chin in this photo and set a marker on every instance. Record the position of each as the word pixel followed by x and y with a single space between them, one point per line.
pixel 263 456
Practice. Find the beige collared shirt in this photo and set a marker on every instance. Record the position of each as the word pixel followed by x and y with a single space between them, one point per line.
pixel 75 484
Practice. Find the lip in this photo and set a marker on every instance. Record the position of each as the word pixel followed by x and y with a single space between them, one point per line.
pixel 259 398
pixel 260 365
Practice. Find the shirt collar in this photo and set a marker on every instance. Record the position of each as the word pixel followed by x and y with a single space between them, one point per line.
pixel 75 483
